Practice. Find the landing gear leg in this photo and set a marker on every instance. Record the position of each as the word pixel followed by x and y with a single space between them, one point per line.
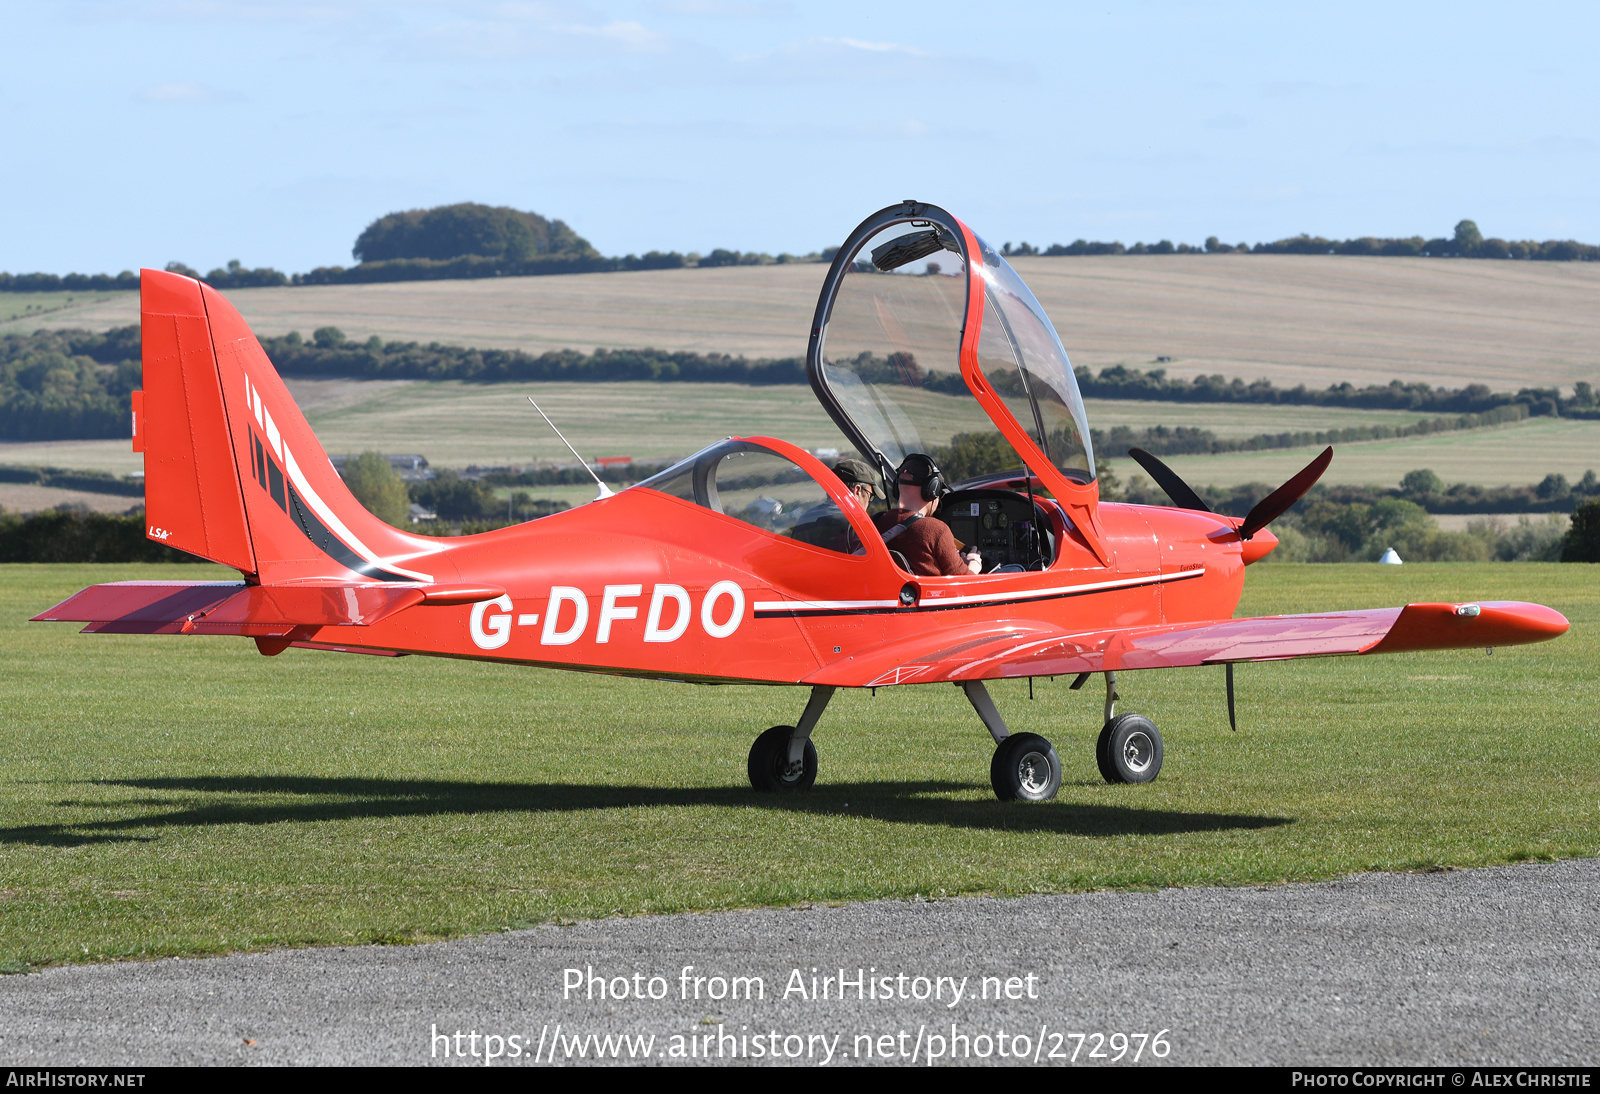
pixel 1129 749
pixel 1025 766
pixel 783 758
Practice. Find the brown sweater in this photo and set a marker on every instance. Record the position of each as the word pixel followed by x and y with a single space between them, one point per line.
pixel 927 544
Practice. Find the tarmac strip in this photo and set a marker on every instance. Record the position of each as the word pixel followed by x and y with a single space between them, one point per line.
pixel 1497 966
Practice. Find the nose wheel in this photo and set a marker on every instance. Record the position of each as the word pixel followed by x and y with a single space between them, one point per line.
pixel 1129 749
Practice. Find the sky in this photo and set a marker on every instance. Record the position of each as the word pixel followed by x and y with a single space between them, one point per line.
pixel 138 132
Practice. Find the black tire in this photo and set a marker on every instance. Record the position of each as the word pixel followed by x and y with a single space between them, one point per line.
pixel 769 762
pixel 1025 768
pixel 1129 750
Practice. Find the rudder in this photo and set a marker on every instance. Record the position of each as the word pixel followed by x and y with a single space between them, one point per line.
pixel 193 494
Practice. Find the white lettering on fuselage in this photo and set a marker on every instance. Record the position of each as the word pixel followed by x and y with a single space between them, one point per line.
pixel 497 631
pixel 566 615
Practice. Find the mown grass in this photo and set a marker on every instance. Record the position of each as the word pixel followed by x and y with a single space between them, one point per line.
pixel 171 795
pixel 1507 455
pixel 17 308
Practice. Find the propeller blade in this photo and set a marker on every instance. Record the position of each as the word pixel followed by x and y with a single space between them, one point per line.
pixel 1275 504
pixel 1175 488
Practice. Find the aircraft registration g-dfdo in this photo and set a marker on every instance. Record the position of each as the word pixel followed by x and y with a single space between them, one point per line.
pixel 751 562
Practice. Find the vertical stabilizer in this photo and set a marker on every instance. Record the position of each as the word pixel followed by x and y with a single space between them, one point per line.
pixel 304 522
pixel 192 489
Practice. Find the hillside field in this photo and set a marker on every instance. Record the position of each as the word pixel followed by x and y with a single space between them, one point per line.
pixel 455 424
pixel 1293 319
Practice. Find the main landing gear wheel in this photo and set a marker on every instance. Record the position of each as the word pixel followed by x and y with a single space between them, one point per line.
pixel 1025 768
pixel 1129 750
pixel 769 762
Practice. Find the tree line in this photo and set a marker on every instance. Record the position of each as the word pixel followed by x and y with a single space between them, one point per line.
pixel 1359 523
pixel 465 240
pixel 1466 242
pixel 471 240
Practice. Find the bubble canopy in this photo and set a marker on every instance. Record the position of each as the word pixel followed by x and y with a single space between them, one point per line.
pixel 926 340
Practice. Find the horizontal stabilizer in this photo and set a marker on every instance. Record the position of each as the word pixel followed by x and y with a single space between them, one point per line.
pixel 223 607
pixel 1000 651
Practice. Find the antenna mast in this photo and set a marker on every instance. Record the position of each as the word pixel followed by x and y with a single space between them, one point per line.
pixel 605 491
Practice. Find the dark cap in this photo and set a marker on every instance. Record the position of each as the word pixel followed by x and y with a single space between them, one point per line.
pixel 852 472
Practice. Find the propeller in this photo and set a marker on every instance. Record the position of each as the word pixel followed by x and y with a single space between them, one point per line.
pixel 1275 504
pixel 1175 488
pixel 1267 510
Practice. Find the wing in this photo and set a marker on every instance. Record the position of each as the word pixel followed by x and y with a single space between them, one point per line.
pixel 999 651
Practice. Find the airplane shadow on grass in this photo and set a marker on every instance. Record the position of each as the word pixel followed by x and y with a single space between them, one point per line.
pixel 333 799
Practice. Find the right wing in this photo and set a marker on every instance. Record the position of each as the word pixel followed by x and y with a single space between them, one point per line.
pixel 997 651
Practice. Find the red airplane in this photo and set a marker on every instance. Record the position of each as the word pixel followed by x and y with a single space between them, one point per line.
pixel 751 562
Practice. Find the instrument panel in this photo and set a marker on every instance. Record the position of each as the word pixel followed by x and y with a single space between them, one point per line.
pixel 1008 529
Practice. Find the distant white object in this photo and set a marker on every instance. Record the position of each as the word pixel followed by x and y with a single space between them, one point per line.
pixel 1391 557
pixel 825 453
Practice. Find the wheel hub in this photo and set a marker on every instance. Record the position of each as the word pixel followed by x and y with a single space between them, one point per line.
pixel 1137 751
pixel 1033 773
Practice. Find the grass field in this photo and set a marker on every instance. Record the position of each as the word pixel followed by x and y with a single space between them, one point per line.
pixel 170 795
pixel 455 425
pixel 1291 318
pixel 20 310
pixel 1509 455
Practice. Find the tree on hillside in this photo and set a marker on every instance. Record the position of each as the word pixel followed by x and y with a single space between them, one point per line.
pixel 451 231
pixel 1468 238
pixel 376 486
pixel 1421 482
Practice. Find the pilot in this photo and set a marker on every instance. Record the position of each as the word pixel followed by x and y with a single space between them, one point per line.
pixel 928 546
pixel 861 479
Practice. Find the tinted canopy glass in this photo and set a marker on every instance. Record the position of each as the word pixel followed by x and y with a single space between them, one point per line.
pixel 1022 357
pixel 890 354
pixel 758 486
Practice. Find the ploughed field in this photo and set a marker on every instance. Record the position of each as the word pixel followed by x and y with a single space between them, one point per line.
pixel 1293 319
pixel 186 795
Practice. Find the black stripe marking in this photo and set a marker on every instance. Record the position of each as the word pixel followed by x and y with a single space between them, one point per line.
pixel 275 485
pixel 934 606
pixel 331 545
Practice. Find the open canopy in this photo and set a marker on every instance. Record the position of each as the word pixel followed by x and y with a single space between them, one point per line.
pixel 926 340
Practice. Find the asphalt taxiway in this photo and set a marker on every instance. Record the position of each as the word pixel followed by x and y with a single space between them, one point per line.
pixel 1478 966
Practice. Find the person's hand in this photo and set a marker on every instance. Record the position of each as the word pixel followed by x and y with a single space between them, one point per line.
pixel 974 561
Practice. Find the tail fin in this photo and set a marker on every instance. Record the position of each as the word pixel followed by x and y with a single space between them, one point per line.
pixel 233 472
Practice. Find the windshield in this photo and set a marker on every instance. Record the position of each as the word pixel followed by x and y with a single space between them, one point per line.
pixel 891 354
pixel 752 483
pixel 1022 356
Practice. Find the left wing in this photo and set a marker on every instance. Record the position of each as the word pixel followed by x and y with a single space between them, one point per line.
pixel 999 651
pixel 233 607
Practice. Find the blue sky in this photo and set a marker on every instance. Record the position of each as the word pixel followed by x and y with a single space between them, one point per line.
pixel 141 131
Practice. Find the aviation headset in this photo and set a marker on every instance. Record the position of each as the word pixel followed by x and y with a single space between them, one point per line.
pixel 918 469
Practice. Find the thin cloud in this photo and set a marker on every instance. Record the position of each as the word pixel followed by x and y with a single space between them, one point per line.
pixel 853 60
pixel 512 39
pixel 723 9
pixel 185 92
